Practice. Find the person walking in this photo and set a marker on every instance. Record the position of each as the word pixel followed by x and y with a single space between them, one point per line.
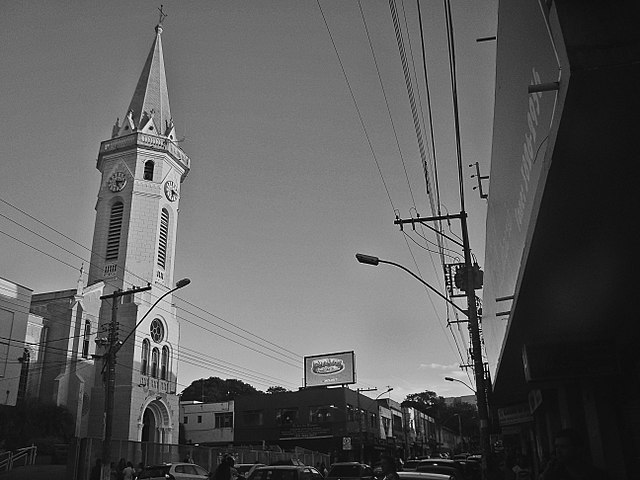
pixel 224 471
pixel 389 468
pixel 128 473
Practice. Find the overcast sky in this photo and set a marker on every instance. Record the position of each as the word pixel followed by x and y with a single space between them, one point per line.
pixel 286 185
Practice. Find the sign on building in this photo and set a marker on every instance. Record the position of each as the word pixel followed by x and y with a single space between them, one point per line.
pixel 330 369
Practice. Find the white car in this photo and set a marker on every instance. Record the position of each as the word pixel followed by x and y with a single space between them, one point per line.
pixel 423 476
pixel 173 471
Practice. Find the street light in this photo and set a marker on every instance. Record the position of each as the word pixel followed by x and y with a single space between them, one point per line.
pixel 451 379
pixel 474 328
pixel 179 284
pixel 371 260
pixel 110 364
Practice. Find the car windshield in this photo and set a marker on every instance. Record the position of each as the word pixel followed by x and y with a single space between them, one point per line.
pixel 243 468
pixel 411 463
pixel 155 471
pixel 344 471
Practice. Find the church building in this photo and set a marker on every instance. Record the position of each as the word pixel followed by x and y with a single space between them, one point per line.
pixel 142 168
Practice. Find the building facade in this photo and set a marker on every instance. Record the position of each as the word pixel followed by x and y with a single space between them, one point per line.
pixel 559 328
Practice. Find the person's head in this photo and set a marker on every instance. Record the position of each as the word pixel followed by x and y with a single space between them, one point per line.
pixel 230 461
pixel 568 445
pixel 129 464
pixel 388 464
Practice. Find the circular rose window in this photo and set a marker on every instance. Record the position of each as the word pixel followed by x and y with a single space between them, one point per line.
pixel 157 330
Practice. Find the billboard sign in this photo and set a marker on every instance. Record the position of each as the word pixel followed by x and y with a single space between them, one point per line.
pixel 330 369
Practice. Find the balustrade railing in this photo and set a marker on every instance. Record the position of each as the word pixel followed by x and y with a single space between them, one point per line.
pixel 147 140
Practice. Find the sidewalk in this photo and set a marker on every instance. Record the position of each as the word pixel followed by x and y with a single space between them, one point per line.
pixel 36 472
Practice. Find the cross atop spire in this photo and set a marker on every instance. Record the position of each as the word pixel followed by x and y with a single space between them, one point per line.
pixel 162 15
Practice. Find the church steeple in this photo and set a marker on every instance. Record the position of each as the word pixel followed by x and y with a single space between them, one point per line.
pixel 149 108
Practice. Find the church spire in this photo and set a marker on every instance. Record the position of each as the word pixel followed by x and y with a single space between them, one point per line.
pixel 150 102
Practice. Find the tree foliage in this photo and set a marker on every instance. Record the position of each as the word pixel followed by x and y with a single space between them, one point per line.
pixel 215 389
pixel 277 389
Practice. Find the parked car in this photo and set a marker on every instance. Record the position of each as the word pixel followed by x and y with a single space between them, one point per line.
pixel 350 471
pixel 173 471
pixel 246 469
pixel 424 476
pixel 286 472
pixel 443 465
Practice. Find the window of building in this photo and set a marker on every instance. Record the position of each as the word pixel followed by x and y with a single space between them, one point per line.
pixel 253 417
pixel 185 420
pixel 85 339
pixel 224 420
pixel 115 229
pixel 287 416
pixel 155 356
pixel 148 170
pixel 373 420
pixel 386 423
pixel 199 418
pixel 164 238
pixel 156 329
pixel 351 413
pixel 144 363
pixel 164 364
pixel 321 414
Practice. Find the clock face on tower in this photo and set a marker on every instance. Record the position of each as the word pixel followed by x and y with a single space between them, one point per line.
pixel 117 181
pixel 171 191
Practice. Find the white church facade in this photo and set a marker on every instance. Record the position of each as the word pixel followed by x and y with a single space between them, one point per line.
pixel 142 168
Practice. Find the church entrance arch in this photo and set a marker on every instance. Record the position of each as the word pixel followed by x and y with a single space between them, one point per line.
pixel 156 423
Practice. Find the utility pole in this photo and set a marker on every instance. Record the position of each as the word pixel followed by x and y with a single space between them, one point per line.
pixel 110 374
pixel 360 435
pixel 470 283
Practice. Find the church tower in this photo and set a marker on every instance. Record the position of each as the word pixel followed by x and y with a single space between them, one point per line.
pixel 134 244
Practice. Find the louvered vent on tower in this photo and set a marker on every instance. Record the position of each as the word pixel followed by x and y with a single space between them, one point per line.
pixel 115 228
pixel 164 233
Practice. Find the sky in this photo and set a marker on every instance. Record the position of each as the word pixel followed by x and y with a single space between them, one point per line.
pixel 290 176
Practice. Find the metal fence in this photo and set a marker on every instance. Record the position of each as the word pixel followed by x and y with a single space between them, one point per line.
pixel 82 455
pixel 22 456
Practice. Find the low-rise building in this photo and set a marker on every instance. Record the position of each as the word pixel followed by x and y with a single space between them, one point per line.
pixel 207 423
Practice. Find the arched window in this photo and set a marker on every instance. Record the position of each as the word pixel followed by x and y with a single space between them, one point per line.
pixel 85 339
pixel 164 236
pixel 155 354
pixel 148 170
pixel 164 365
pixel 144 364
pixel 115 228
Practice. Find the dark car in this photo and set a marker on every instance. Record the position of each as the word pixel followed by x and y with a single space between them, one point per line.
pixel 286 472
pixel 350 471
pixel 424 476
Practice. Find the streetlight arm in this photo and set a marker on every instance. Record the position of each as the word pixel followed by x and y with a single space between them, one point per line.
pixel 451 379
pixel 425 284
pixel 179 284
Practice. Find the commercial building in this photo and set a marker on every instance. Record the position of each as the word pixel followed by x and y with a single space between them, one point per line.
pixel 559 327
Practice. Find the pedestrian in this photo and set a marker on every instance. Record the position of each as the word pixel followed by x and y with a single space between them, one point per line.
pixel 96 471
pixel 569 461
pixel 224 471
pixel 120 469
pixel 129 472
pixel 389 468
pixel 323 470
pixel 139 469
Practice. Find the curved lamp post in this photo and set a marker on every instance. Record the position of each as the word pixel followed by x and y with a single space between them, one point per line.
pixel 371 260
pixel 451 379
pixel 179 284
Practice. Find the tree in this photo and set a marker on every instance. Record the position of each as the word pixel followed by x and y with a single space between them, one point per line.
pixel 215 389
pixel 427 402
pixel 277 389
pixel 32 421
